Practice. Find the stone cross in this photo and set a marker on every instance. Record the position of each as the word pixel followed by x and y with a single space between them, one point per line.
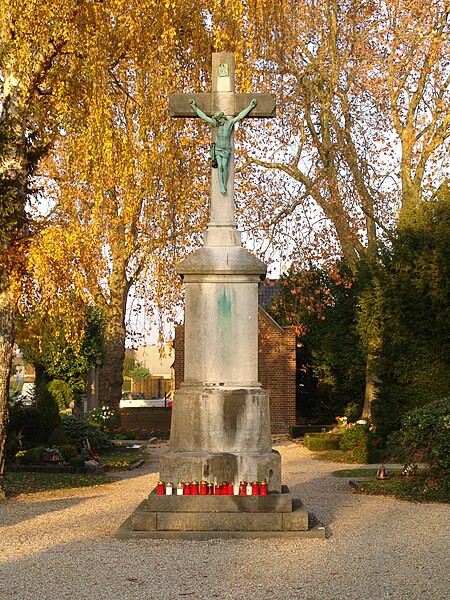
pixel 223 99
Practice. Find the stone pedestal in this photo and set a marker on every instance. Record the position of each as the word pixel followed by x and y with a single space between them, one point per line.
pixel 222 435
pixel 220 416
pixel 206 517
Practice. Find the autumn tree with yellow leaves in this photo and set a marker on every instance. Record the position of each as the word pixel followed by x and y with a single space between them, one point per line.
pixel 36 46
pixel 362 134
pixel 363 139
pixel 84 125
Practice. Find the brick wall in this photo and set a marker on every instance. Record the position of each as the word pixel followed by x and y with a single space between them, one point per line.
pixel 276 368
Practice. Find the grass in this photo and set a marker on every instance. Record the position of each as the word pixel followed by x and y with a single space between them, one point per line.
pixel 122 459
pixel 343 456
pixel 419 488
pixel 364 472
pixel 28 483
pixel 336 456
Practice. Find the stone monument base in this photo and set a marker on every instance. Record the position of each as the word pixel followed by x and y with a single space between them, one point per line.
pixel 221 434
pixel 207 517
pixel 224 466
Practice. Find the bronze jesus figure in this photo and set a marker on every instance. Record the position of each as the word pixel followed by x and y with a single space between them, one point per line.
pixel 224 128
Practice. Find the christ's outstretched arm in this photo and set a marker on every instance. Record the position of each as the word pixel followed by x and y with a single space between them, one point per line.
pixel 201 114
pixel 245 112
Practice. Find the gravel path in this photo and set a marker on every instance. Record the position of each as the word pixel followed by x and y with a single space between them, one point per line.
pixel 61 545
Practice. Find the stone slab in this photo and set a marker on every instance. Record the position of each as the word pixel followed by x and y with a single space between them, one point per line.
pixel 248 504
pixel 216 419
pixel 126 531
pixel 233 261
pixel 178 521
pixel 142 520
pixel 296 520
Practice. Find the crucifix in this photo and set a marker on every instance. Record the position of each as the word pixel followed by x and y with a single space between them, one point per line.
pixel 222 109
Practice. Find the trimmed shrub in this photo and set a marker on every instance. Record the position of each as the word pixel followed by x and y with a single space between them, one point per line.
pixel 77 430
pixel 296 431
pixel 322 441
pixel 426 435
pixel 32 456
pixel 57 437
pixel 360 442
pixel 61 392
pixel 27 423
pixel 68 451
pixel 48 407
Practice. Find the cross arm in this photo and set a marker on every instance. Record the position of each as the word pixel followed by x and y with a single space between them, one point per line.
pixel 266 107
pixel 218 101
pixel 179 104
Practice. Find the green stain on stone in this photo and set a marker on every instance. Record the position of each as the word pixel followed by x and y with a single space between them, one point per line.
pixel 225 310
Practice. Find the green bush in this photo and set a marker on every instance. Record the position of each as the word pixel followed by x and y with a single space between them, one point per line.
pixel 296 431
pixel 27 423
pixel 77 430
pixel 395 451
pixel 352 412
pixel 426 435
pixel 32 456
pixel 61 392
pixel 360 443
pixel 322 441
pixel 57 437
pixel 68 451
pixel 49 410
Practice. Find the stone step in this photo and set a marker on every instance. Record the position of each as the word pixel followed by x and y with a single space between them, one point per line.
pixel 124 532
pixel 144 520
pixel 277 503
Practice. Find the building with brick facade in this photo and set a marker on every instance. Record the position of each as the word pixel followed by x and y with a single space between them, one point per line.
pixel 276 368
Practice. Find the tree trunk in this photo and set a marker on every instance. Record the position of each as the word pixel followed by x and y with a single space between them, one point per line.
pixel 110 373
pixel 372 382
pixel 6 351
pixel 13 226
pixel 110 377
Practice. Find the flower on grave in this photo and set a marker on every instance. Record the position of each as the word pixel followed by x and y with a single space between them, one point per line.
pixel 102 417
pixel 56 454
pixel 341 421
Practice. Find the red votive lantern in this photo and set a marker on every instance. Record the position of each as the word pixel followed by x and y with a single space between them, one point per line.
pixel 224 489
pixel 242 489
pixel 194 488
pixel 209 489
pixel 263 488
pixel 230 489
pixel 187 489
pixel 217 490
pixel 255 488
pixel 161 489
pixel 203 488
